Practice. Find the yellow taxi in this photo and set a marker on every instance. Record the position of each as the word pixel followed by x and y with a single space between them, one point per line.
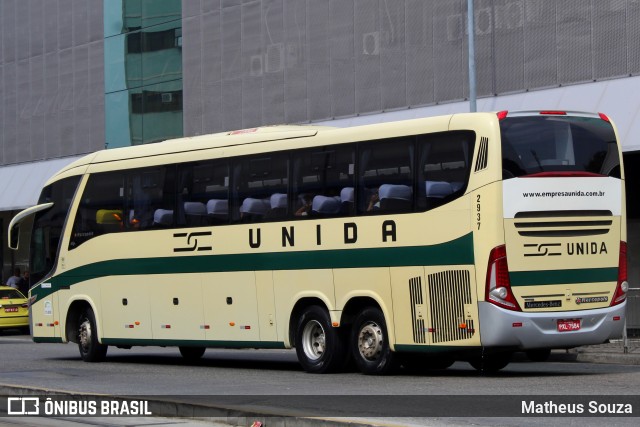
pixel 14 309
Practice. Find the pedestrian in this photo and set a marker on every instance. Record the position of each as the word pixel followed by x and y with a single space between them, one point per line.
pixel 24 288
pixel 15 281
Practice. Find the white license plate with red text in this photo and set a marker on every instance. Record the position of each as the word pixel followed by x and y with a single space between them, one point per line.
pixel 11 309
pixel 566 325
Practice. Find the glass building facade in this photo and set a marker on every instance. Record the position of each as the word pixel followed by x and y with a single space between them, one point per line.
pixel 143 71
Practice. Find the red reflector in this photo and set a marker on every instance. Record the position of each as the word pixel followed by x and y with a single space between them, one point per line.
pixel 616 318
pixel 38 324
pixel 502 114
pixel 604 117
pixel 554 113
pixel 432 329
pixel 517 325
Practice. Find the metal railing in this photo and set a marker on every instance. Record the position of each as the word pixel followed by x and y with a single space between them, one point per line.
pixel 632 318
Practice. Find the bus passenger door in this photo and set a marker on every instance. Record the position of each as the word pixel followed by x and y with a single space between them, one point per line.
pixel 176 307
pixel 230 306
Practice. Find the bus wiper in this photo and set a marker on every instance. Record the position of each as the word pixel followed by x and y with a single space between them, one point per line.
pixel 535 156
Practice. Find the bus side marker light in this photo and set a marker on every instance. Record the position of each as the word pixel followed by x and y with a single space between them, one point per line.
pixel 517 324
pixel 462 325
pixel 128 326
pixel 432 330
pixel 50 324
pixel 245 327
pixel 56 323
pixel 616 318
pixel 165 326
pixel 232 323
pixel 335 324
pixel 38 324
pixel 204 326
pixel 137 323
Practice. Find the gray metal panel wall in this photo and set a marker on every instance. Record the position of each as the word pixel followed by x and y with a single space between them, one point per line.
pixel 51 79
pixel 274 61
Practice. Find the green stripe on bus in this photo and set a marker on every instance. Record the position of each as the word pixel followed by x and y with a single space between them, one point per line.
pixel 54 340
pixel 193 343
pixel 557 277
pixel 455 252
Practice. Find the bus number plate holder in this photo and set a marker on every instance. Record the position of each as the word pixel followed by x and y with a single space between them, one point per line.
pixel 566 325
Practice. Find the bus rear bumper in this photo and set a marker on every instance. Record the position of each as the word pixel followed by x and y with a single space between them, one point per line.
pixel 505 328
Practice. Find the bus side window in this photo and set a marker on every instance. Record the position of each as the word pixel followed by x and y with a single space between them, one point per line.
pixel 203 194
pixel 101 208
pixel 444 167
pixel 151 198
pixel 323 181
pixel 386 176
pixel 261 192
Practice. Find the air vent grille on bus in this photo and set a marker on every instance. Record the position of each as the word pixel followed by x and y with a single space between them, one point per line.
pixel 415 293
pixel 563 223
pixel 449 291
pixel 483 153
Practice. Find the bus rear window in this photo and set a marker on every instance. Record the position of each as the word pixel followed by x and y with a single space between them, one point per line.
pixel 543 144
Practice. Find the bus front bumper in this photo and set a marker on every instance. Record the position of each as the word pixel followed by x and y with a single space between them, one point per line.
pixel 505 328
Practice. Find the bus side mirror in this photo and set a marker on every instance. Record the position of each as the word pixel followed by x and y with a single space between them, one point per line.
pixel 14 237
pixel 14 225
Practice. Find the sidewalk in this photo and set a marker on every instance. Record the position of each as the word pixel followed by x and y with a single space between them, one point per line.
pixel 613 352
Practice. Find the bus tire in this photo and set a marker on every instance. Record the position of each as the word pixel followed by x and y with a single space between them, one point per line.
pixel 192 354
pixel 319 346
pixel 370 343
pixel 90 348
pixel 491 363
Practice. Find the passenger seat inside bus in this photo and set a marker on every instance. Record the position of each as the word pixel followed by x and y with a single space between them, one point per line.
pixel 277 206
pixel 253 210
pixel 163 217
pixel 325 206
pixel 347 200
pixel 195 214
pixel 395 197
pixel 218 210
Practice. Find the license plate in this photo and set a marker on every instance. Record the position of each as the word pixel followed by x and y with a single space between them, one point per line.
pixel 568 325
pixel 11 309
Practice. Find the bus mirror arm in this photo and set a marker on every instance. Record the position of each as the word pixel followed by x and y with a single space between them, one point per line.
pixel 14 225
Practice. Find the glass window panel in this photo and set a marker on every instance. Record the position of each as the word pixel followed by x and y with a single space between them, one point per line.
pixel 203 194
pixel 386 176
pixel 156 12
pixel 159 111
pixel 122 127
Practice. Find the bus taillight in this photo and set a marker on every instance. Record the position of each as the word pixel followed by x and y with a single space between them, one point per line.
pixel 623 286
pixel 498 286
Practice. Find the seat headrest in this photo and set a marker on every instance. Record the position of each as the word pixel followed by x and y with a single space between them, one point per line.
pixel 195 208
pixel 325 205
pixel 218 207
pixel 438 189
pixel 278 200
pixel 163 217
pixel 347 194
pixel 395 191
pixel 254 206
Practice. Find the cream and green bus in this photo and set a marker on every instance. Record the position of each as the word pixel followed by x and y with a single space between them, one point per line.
pixel 417 243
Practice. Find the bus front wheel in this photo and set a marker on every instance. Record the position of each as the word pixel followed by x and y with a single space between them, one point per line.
pixel 90 349
pixel 370 343
pixel 319 346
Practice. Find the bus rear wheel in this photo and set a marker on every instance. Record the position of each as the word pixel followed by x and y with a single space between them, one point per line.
pixel 90 348
pixel 370 343
pixel 192 354
pixel 319 346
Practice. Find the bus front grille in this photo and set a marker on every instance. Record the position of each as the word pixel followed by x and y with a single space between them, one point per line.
pixel 563 223
pixel 449 291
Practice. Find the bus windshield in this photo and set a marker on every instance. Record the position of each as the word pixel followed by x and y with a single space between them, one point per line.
pixel 48 226
pixel 542 144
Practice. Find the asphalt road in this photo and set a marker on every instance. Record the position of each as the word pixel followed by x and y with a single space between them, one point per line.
pixel 258 376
